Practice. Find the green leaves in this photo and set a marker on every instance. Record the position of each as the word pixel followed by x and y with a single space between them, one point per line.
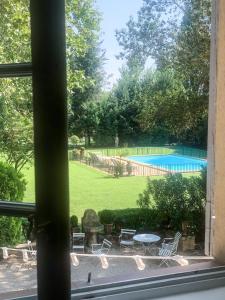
pixel 177 198
pixel 176 34
pixel 12 187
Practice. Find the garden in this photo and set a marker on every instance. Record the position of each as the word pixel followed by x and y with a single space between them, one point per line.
pixel 148 112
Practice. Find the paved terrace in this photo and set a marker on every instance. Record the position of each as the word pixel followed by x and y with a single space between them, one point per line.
pixel 15 275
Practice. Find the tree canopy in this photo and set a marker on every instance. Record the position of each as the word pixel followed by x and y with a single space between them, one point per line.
pixel 166 104
pixel 82 29
pixel 176 34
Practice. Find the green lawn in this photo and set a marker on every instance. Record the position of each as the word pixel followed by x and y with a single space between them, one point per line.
pixel 90 188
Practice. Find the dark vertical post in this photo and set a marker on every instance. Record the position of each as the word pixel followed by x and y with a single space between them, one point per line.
pixel 50 143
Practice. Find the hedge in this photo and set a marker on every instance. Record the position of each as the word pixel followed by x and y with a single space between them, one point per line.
pixel 135 218
pixel 12 187
pixel 147 219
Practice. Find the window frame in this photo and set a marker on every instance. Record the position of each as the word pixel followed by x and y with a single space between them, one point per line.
pixel 48 70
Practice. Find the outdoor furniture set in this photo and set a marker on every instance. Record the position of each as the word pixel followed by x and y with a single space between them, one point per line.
pixel 127 239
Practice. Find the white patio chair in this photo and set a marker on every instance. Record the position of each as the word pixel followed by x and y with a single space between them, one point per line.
pixel 32 253
pixel 169 248
pixel 126 238
pixel 101 248
pixel 78 241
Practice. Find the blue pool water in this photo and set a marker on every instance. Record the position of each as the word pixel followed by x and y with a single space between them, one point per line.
pixel 175 163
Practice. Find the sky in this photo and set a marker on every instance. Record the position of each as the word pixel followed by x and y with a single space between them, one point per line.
pixel 115 15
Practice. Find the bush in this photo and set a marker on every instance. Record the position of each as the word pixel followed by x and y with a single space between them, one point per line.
pixel 129 168
pixel 74 140
pixel 106 216
pixel 12 187
pixel 74 221
pixel 118 169
pixel 82 152
pixel 177 199
pixel 75 154
pixel 134 218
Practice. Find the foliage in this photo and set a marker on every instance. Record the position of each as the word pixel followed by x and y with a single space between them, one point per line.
pixel 176 34
pixel 75 154
pixel 177 198
pixel 15 96
pixel 83 118
pixel 118 169
pixel 135 218
pixel 162 94
pixel 74 221
pixel 82 43
pixel 106 216
pixel 142 107
pixel 12 187
pixel 74 140
pixel 82 26
pixel 129 168
pixel 29 228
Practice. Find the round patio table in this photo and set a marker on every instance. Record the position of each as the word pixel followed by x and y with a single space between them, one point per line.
pixel 146 239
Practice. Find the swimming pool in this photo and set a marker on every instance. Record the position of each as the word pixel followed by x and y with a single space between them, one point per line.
pixel 174 163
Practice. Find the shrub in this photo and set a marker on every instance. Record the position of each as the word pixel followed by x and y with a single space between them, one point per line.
pixel 177 199
pixel 106 216
pixel 82 152
pixel 12 187
pixel 75 154
pixel 135 218
pixel 118 169
pixel 129 168
pixel 74 140
pixel 74 221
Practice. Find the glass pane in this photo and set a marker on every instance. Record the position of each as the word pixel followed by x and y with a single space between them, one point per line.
pixel 137 146
pixel 16 122
pixel 14 31
pixel 17 267
pixel 17 256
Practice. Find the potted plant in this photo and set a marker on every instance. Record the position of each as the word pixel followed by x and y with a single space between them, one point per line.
pixel 106 218
pixel 188 236
pixel 74 224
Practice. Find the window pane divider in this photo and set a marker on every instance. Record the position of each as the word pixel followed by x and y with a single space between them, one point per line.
pixel 16 70
pixel 17 209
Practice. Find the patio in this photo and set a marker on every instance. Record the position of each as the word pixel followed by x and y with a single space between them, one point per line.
pixel 17 275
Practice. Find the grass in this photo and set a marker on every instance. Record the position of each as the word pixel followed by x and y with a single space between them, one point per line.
pixel 90 188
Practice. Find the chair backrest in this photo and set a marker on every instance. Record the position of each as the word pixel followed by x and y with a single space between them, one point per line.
pixel 175 243
pixel 78 238
pixel 29 245
pixel 106 245
pixel 78 235
pixel 127 234
pixel 171 247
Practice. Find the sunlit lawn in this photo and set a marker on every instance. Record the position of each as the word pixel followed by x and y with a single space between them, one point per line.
pixel 90 188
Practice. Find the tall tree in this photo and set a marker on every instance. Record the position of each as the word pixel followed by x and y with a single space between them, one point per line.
pixel 16 128
pixel 177 35
pixel 90 64
pixel 15 94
